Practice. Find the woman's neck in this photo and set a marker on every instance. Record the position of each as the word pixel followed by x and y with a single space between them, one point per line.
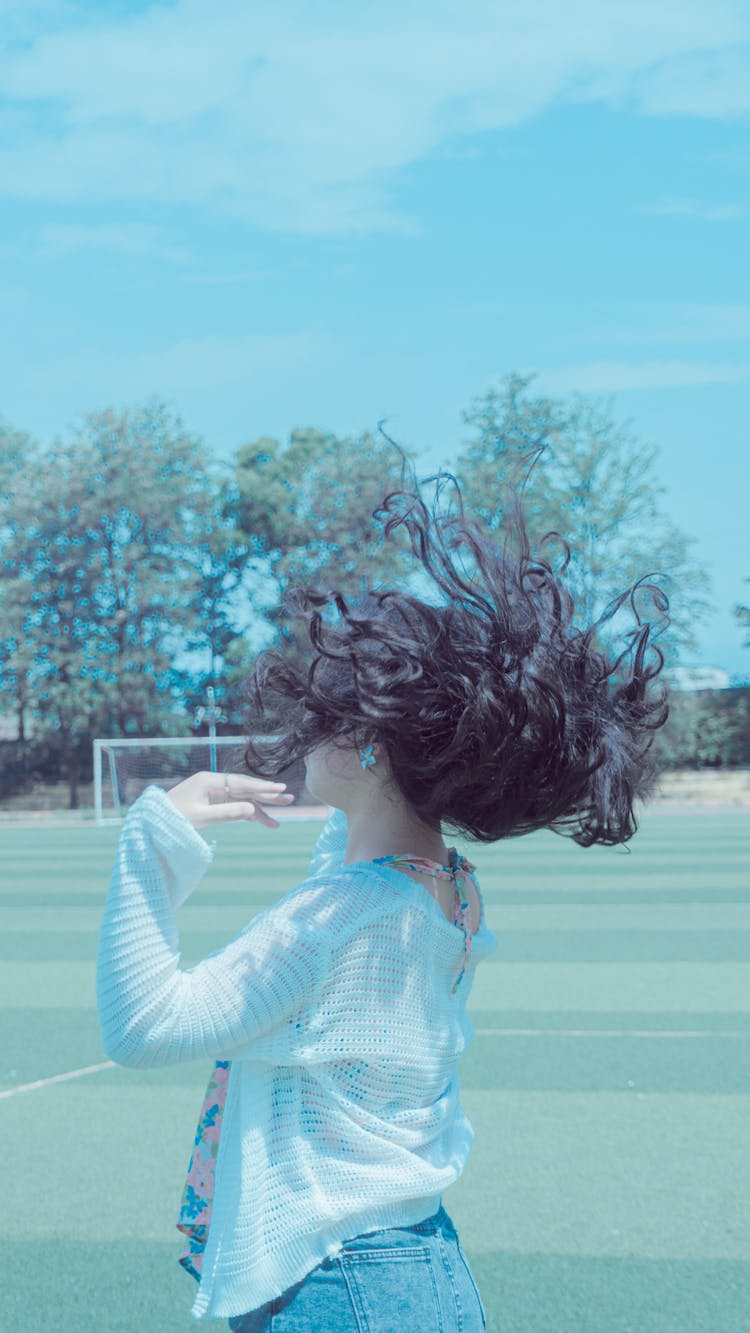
pixel 390 831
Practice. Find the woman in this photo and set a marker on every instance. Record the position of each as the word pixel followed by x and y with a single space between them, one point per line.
pixel 332 1123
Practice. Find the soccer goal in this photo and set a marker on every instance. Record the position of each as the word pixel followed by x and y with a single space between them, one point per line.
pixel 124 768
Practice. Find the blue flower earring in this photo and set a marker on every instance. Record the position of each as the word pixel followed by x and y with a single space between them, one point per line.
pixel 367 757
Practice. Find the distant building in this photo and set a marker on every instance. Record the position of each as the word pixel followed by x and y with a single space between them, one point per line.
pixel 697 678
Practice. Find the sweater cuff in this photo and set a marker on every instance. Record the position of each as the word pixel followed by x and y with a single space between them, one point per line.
pixel 185 853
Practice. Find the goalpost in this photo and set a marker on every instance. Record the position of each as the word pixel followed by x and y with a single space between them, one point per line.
pixel 123 768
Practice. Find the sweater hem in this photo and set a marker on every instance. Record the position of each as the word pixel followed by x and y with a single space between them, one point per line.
pixel 299 1257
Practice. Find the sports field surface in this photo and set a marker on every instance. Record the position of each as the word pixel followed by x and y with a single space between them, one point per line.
pixel 608 1188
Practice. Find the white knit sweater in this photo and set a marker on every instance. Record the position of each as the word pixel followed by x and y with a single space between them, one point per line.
pixel 342 1112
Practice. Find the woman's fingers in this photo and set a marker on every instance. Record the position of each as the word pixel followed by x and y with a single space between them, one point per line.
pixel 268 798
pixel 233 791
pixel 223 787
pixel 207 798
pixel 245 810
pixel 245 782
pixel 242 810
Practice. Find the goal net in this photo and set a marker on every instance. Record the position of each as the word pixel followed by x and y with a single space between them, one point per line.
pixel 124 768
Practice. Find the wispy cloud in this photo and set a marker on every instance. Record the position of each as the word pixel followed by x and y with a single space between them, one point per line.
pixel 617 376
pixel 299 117
pixel 688 322
pixel 677 206
pixel 23 20
pixel 651 325
pixel 132 238
pixel 697 83
pixel 186 365
pixel 225 279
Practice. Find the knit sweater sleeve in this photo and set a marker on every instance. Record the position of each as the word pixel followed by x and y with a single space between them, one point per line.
pixel 150 1012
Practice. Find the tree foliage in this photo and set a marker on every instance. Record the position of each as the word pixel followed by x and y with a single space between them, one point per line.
pixel 594 484
pixel 306 509
pixel 135 569
pixel 19 470
pixel 706 729
pixel 105 579
pixel 742 616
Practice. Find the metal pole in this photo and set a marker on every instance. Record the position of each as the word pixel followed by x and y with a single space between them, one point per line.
pixel 210 713
pixel 113 780
pixel 212 726
pixel 98 780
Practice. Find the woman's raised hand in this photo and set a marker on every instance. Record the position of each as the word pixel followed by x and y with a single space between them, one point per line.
pixel 211 798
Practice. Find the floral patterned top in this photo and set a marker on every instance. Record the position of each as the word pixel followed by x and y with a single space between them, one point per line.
pixel 197 1196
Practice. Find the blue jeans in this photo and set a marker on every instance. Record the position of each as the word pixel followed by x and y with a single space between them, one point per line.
pixel 402 1280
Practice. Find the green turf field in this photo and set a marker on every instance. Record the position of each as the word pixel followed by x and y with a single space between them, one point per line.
pixel 608 1188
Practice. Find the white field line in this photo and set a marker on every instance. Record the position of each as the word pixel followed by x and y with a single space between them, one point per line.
pixel 57 1078
pixel 478 1032
pixel 610 1032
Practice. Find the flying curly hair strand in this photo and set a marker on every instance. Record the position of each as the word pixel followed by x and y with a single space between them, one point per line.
pixel 497 714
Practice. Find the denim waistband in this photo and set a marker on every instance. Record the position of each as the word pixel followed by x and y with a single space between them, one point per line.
pixel 429 1226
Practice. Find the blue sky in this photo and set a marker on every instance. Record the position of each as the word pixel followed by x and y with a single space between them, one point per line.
pixel 280 214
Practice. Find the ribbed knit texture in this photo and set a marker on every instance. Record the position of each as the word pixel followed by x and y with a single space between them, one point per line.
pixel 342 1112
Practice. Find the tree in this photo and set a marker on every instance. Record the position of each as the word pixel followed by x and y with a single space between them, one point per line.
pixel 103 538
pixel 19 465
pixel 705 729
pixel 307 511
pixel 231 587
pixel 742 616
pixel 593 483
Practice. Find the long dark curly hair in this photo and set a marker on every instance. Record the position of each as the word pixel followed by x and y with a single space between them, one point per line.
pixel 498 715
